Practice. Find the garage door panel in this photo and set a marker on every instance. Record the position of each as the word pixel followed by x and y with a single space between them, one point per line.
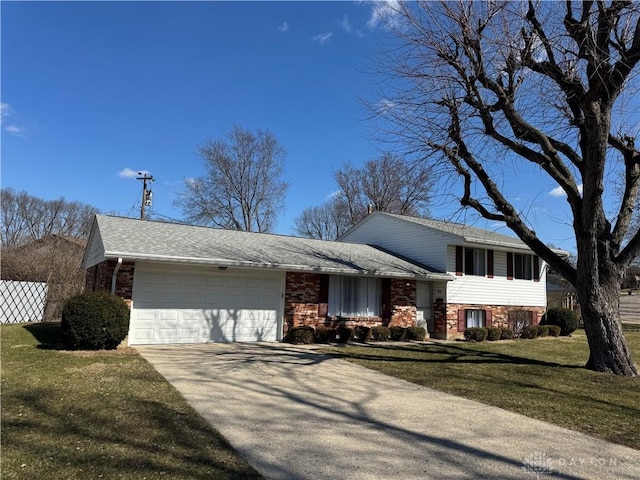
pixel 186 305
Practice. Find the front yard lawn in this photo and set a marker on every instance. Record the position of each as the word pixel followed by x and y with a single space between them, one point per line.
pixel 105 414
pixel 541 378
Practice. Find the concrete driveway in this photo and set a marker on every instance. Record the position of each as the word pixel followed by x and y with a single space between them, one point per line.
pixel 295 414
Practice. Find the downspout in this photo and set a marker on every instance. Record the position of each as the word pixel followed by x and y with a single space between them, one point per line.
pixel 115 275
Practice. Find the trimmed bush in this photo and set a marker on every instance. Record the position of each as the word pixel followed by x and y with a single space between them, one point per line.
pixel 494 333
pixel 543 330
pixel 564 318
pixel 398 334
pixel 344 334
pixel 554 330
pixel 94 321
pixel 529 332
pixel 506 333
pixel 301 335
pixel 416 333
pixel 325 334
pixel 362 333
pixel 380 333
pixel 476 334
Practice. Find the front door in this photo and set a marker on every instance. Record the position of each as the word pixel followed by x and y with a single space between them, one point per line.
pixel 424 307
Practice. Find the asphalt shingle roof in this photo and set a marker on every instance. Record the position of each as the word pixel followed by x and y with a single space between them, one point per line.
pixel 133 239
pixel 466 232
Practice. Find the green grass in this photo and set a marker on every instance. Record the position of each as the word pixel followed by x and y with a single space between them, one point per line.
pixel 542 378
pixel 106 414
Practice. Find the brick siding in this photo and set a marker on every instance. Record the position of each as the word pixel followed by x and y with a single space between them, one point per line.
pixel 302 305
pixel 98 278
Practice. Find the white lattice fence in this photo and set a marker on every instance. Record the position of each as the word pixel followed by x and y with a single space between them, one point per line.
pixel 22 301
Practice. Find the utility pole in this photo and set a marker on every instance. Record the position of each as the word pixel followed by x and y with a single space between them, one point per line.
pixel 147 194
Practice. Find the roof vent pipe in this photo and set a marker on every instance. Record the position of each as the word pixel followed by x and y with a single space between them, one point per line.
pixel 115 275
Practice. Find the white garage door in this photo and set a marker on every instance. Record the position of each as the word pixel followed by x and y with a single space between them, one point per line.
pixel 196 305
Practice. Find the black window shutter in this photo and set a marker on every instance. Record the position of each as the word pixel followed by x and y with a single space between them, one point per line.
pixel 509 266
pixel 459 253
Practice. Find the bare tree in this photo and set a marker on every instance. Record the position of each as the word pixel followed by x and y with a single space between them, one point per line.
pixel 25 218
pixel 44 241
pixel 483 85
pixel 323 222
pixel 387 184
pixel 54 259
pixel 243 187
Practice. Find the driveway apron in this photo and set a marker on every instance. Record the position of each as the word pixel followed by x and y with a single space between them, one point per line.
pixel 296 414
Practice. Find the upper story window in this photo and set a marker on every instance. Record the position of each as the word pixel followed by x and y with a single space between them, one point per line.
pixel 522 266
pixel 474 261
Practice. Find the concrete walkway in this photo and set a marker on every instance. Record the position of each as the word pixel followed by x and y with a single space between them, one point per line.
pixel 295 414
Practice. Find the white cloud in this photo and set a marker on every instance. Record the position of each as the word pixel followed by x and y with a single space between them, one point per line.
pixel 383 11
pixel 384 105
pixel 332 195
pixel 15 130
pixel 5 110
pixel 131 173
pixel 284 27
pixel 345 25
pixel 322 38
pixel 559 191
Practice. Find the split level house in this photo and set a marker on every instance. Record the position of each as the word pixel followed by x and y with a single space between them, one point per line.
pixel 191 284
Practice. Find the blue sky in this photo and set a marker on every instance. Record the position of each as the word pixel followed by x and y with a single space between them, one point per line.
pixel 92 90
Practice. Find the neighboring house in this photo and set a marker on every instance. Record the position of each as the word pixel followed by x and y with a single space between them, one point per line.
pixel 188 284
pixel 560 293
pixel 494 275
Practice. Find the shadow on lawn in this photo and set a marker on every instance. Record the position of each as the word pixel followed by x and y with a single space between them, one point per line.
pixel 168 442
pixel 441 353
pixel 48 334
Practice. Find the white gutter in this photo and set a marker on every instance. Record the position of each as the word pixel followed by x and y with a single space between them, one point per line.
pixel 246 264
pixel 115 275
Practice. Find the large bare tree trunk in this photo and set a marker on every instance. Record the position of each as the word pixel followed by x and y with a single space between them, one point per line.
pixel 599 299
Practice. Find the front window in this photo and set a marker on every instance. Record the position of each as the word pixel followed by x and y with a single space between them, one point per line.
pixel 474 261
pixel 522 266
pixel 475 318
pixel 354 296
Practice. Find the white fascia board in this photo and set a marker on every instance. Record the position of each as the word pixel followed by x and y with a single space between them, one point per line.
pixel 284 267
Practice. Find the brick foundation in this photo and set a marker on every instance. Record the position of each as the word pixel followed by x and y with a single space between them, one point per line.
pixel 499 316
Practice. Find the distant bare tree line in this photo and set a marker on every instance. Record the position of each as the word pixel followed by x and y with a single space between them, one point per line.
pixel 44 241
pixel 25 218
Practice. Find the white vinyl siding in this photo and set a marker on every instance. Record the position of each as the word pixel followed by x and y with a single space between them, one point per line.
pixel 94 253
pixel 183 304
pixel 474 290
pixel 419 243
